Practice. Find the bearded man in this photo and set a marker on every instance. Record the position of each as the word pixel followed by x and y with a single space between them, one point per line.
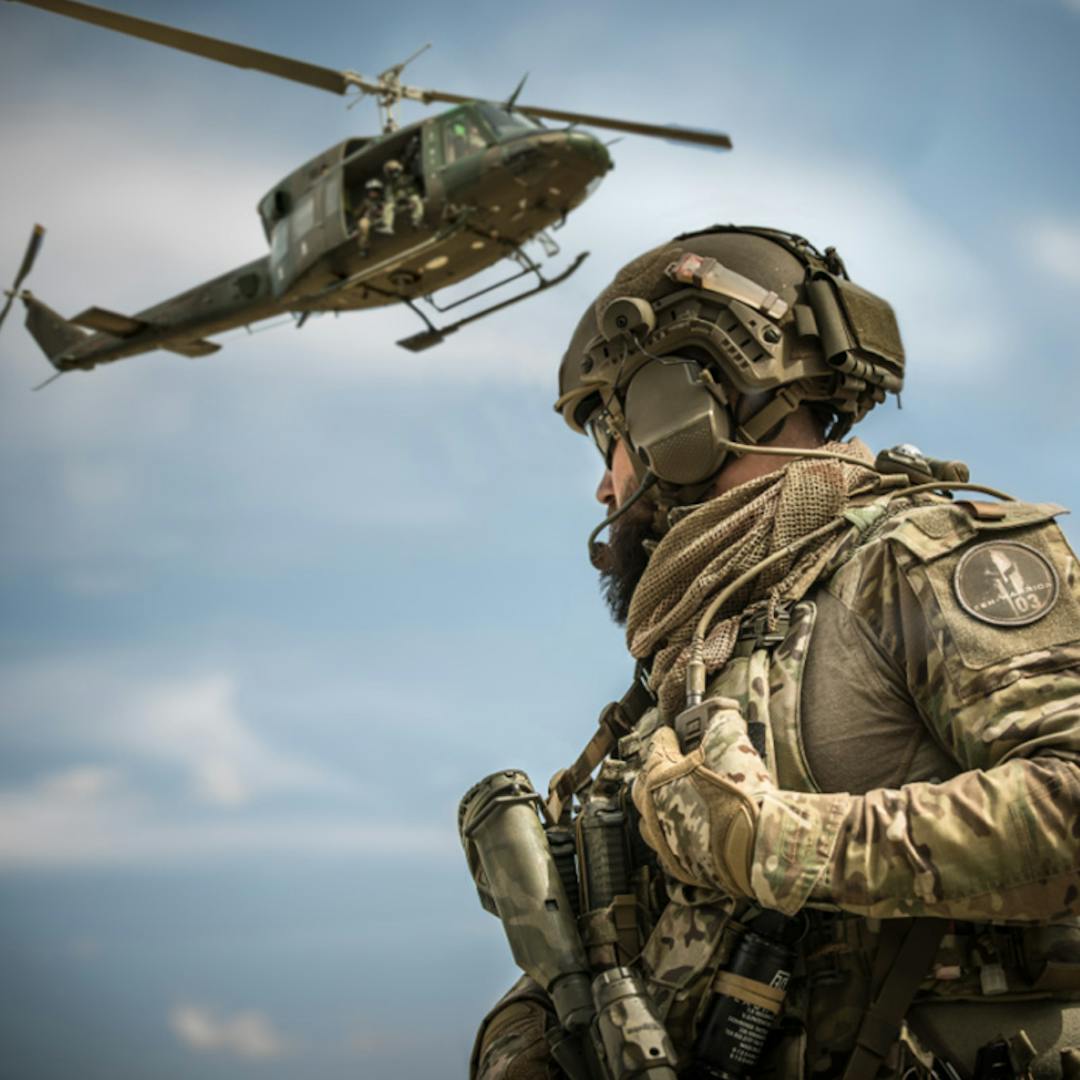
pixel 853 738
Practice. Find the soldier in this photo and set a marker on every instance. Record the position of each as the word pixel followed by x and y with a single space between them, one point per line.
pixel 853 741
pixel 401 194
pixel 370 212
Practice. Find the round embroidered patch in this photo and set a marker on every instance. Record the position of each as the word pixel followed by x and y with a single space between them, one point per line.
pixel 1005 583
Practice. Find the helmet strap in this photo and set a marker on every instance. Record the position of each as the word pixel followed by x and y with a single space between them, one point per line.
pixel 783 403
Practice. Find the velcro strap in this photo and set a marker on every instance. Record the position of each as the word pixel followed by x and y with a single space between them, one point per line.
pixel 751 991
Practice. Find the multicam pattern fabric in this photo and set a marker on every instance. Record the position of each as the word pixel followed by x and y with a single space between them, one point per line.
pixel 683 953
pixel 999 841
pixel 700 818
pixel 781 709
pixel 1002 839
pixel 511 1044
pixel 701 812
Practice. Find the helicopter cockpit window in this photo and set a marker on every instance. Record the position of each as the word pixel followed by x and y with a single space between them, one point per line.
pixel 506 123
pixel 462 137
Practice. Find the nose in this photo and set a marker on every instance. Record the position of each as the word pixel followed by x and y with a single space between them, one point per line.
pixel 605 491
pixel 589 149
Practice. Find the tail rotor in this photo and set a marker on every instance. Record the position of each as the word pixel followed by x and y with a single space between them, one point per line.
pixel 32 249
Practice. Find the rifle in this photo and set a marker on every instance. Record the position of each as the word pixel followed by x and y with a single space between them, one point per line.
pixel 608 1028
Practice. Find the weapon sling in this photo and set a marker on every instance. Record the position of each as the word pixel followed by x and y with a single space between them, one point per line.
pixel 616 720
pixel 906 949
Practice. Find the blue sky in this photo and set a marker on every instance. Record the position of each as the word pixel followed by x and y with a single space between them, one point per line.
pixel 265 616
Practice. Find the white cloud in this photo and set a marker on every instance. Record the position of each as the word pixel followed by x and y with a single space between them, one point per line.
pixel 1053 245
pixel 108 809
pixel 91 816
pixel 248 1034
pixel 82 784
pixel 68 814
pixel 195 724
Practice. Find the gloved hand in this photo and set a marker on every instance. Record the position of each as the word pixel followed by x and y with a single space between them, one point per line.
pixel 700 810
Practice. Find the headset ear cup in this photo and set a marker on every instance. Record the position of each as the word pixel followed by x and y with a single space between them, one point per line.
pixel 675 424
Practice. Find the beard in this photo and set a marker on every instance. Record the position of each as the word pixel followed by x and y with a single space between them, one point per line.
pixel 625 558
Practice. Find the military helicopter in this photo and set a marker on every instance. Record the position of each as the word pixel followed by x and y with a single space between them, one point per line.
pixel 481 180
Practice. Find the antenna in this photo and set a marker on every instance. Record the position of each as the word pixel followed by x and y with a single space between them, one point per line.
pixel 512 99
pixel 50 379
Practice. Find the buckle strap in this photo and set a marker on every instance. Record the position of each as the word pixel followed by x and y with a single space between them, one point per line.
pixel 764 629
pixel 616 719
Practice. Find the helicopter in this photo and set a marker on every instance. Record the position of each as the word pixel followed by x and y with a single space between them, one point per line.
pixel 467 188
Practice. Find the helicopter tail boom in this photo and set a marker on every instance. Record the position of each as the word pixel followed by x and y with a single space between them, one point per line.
pixel 126 326
pixel 58 336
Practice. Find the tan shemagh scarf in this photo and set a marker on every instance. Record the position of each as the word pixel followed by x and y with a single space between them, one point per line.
pixel 711 545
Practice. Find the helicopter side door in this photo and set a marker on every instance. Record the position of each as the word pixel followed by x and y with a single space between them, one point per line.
pixel 313 223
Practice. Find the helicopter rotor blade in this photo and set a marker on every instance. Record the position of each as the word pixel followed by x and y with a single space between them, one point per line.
pixel 340 82
pixel 37 235
pixel 696 136
pixel 225 52
pixel 32 249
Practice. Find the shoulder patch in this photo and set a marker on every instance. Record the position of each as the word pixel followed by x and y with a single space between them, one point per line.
pixel 1005 583
pixel 1004 596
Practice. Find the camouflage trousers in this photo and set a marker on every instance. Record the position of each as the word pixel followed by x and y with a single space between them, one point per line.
pixel 413 204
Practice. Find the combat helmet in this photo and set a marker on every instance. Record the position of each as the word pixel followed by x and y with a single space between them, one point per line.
pixel 716 337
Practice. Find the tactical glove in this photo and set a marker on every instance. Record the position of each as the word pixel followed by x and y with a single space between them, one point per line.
pixel 700 810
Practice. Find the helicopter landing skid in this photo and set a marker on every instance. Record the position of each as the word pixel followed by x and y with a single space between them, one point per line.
pixel 434 335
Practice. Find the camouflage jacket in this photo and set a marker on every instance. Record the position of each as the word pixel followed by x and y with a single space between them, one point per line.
pixel 923 711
